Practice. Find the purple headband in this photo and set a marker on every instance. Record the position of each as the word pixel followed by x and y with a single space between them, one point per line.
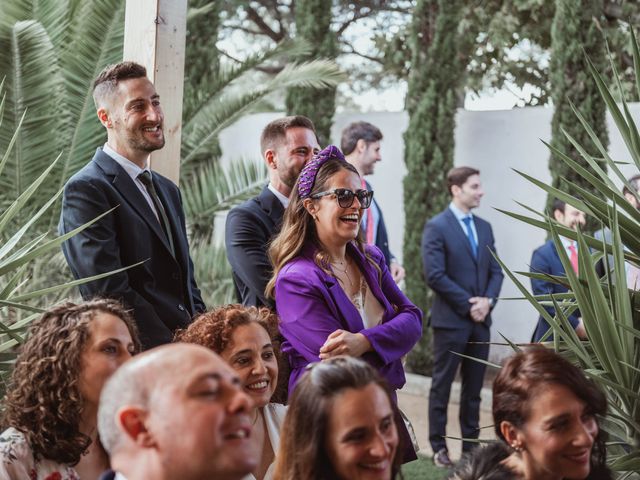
pixel 308 174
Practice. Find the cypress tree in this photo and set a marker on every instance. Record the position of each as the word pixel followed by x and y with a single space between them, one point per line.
pixel 435 80
pixel 313 23
pixel 574 32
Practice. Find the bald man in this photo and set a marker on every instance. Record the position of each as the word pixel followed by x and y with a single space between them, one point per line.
pixel 176 412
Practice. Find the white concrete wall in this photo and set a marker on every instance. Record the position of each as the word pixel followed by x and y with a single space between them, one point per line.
pixel 494 142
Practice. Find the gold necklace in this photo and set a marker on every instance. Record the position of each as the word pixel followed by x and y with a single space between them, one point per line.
pixel 345 270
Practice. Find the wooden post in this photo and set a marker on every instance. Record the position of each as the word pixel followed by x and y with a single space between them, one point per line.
pixel 154 36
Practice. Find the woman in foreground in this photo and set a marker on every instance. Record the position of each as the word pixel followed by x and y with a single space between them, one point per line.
pixel 341 425
pixel 52 401
pixel 244 337
pixel 545 414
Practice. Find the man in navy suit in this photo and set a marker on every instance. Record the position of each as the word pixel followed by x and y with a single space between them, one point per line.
pixel 147 222
pixel 360 144
pixel 286 144
pixel 459 267
pixel 546 260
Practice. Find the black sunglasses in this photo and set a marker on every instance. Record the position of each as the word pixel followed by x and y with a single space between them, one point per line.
pixel 345 196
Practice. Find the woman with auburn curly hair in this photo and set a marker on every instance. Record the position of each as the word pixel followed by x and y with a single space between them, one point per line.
pixel 51 404
pixel 244 337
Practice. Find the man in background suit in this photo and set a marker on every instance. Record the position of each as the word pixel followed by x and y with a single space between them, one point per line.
pixel 545 259
pixel 147 222
pixel 286 144
pixel 177 412
pixel 459 267
pixel 360 144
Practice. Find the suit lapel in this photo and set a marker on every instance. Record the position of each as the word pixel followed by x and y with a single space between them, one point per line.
pixel 272 207
pixel 124 184
pixel 459 233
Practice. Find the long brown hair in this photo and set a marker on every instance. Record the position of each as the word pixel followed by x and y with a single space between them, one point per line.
pixel 298 227
pixel 44 401
pixel 302 453
pixel 528 372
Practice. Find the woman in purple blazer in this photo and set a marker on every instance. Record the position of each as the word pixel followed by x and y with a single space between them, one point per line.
pixel 334 295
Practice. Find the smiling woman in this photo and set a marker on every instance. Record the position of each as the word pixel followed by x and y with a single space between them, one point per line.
pixel 341 425
pixel 245 337
pixel 52 401
pixel 545 413
pixel 334 294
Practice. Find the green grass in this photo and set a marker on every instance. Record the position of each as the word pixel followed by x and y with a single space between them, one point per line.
pixel 423 469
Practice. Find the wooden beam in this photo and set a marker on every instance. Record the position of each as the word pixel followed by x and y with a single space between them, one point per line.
pixel 154 36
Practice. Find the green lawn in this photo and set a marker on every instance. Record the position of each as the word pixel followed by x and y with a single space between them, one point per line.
pixel 423 469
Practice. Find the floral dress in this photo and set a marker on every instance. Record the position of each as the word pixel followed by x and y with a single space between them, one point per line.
pixel 17 462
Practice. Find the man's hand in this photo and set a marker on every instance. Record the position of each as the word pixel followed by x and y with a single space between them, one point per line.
pixel 580 330
pixel 397 272
pixel 342 342
pixel 480 307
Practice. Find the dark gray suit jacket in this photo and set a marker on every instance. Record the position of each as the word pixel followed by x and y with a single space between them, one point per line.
pixel 248 232
pixel 162 291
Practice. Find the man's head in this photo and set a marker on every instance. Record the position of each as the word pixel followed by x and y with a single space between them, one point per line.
pixel 177 411
pixel 360 144
pixel 567 215
pixel 287 144
pixel 629 195
pixel 129 108
pixel 465 187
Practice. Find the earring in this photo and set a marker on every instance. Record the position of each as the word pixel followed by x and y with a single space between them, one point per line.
pixel 315 217
pixel 517 447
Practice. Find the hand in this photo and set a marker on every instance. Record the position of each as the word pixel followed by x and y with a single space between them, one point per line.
pixel 342 342
pixel 480 307
pixel 397 272
pixel 580 330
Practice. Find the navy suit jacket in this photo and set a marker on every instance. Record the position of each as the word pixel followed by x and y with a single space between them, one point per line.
pixel 382 239
pixel 248 231
pixel 162 291
pixel 452 271
pixel 545 259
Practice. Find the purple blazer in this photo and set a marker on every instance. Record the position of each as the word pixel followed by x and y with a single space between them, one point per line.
pixel 312 304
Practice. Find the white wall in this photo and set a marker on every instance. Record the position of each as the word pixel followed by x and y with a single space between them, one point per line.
pixel 495 142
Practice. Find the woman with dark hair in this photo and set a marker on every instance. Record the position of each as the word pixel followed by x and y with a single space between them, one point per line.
pixel 341 425
pixel 246 338
pixel 545 414
pixel 333 293
pixel 51 404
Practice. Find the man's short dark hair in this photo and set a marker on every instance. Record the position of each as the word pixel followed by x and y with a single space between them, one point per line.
pixel 635 183
pixel 276 131
pixel 459 175
pixel 356 131
pixel 107 81
pixel 558 204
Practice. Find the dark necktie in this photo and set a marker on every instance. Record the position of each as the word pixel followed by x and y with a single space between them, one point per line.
pixel 145 178
pixel 472 239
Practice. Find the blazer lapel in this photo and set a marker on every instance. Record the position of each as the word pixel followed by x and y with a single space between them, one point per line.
pixel 124 184
pixel 460 234
pixel 272 207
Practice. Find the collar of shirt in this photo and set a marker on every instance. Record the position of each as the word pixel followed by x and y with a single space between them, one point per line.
pixel 284 200
pixel 119 476
pixel 567 242
pixel 459 213
pixel 131 168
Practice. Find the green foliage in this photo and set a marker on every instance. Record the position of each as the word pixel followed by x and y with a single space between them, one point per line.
pixel 574 33
pixel 610 310
pixel 431 102
pixel 313 24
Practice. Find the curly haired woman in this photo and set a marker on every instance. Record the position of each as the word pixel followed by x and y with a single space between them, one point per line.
pixel 52 401
pixel 246 338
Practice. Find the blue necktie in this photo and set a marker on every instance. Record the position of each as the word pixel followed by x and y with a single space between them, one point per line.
pixel 472 240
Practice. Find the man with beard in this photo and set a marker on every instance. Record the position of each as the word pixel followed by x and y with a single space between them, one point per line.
pixel 286 145
pixel 145 222
pixel 360 144
pixel 545 259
